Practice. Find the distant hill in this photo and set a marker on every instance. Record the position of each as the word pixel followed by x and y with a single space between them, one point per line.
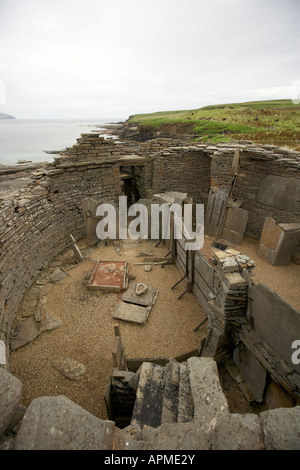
pixel 274 122
pixel 6 116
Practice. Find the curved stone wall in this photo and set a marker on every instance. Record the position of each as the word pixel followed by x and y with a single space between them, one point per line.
pixel 36 221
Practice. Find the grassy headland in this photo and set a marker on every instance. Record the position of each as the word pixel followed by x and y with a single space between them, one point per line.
pixel 275 122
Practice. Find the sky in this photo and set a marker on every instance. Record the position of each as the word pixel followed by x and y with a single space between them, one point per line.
pixel 92 59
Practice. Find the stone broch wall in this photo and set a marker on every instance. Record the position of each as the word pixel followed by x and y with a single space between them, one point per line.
pixel 37 220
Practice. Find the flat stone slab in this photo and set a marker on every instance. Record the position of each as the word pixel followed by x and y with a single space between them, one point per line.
pixel 146 299
pixel 25 332
pixel 51 322
pixel 57 275
pixel 71 369
pixel 57 423
pixel 131 312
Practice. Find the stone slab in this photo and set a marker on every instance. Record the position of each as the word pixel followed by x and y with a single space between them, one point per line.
pixel 275 320
pixel 25 332
pixel 10 396
pixel 210 403
pixel 280 192
pixel 173 436
pixel 57 423
pixel 237 432
pixel 278 242
pixel 131 312
pixel 281 428
pixel 252 371
pixel 235 225
pixel 147 299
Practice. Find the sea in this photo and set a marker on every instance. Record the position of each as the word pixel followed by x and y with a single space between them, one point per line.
pixel 30 139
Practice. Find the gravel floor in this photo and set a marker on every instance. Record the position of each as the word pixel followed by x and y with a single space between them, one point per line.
pixel 87 331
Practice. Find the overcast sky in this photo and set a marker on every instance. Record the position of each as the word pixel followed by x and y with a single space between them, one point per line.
pixel 98 59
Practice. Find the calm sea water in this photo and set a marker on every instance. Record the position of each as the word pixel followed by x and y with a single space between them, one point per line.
pixel 26 139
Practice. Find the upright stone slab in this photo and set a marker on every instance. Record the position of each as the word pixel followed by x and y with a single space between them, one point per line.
pixel 235 225
pixel 210 403
pixel 278 242
pixel 252 371
pixel 276 321
pixel 10 396
pixel 149 396
pixel 57 423
pixel 89 207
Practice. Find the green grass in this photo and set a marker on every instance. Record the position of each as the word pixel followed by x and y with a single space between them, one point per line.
pixel 276 122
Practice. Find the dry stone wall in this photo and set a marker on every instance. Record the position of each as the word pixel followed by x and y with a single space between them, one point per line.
pixel 36 220
pixel 269 183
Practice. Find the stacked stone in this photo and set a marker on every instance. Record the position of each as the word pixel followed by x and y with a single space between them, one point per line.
pixel 122 396
pixel 89 150
pixel 256 163
pixel 36 221
pixel 233 273
pixel 183 169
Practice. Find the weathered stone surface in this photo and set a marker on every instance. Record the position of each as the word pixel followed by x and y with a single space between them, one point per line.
pixel 185 401
pixel 176 436
pixel 148 403
pixel 10 396
pixel 281 428
pixel 278 242
pixel 72 369
pixel 237 432
pixel 171 392
pixel 57 275
pixel 210 403
pixel 275 320
pixel 252 371
pixel 57 423
pixel 131 312
pixel 147 298
pixel 25 332
pixel 50 322
pixel 280 192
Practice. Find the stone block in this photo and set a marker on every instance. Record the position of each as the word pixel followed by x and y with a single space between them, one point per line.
pixel 10 396
pixel 278 242
pixel 131 312
pixel 57 423
pixel 281 428
pixel 175 436
pixel 237 432
pixel 210 403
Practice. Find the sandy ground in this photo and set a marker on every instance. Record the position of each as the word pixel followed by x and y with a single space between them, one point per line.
pixel 87 331
pixel 285 280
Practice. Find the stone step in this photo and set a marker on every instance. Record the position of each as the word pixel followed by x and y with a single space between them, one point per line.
pixel 185 412
pixel 171 392
pixel 149 396
pixel 210 403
